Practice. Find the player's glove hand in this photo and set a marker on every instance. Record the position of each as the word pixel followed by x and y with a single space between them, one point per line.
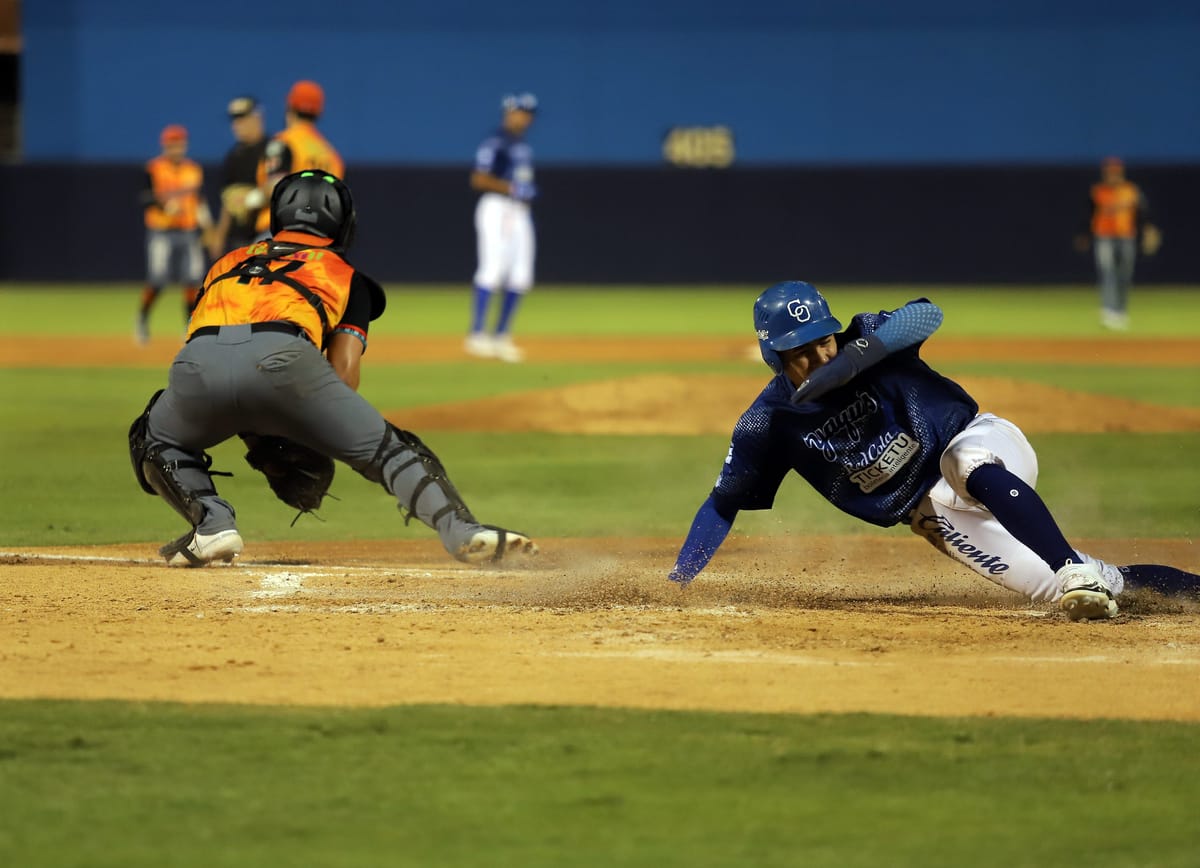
pixel 234 197
pixel 1151 240
pixel 524 191
pixel 681 578
pixel 298 475
pixel 856 356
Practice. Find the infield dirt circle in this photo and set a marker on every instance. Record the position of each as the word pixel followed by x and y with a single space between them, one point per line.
pixel 795 623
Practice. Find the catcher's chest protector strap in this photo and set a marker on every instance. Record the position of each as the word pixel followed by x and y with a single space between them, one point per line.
pixel 257 268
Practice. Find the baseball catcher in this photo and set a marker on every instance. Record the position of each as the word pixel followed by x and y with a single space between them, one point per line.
pixel 273 352
pixel 885 438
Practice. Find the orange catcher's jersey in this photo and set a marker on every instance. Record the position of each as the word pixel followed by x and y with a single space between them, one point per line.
pixel 176 187
pixel 301 146
pixel 1115 207
pixel 233 296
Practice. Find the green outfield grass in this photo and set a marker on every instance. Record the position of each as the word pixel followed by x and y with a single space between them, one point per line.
pixel 122 784
pixel 1099 485
pixel 1035 311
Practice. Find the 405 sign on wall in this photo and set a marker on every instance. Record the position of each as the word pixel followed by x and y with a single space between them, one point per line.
pixel 699 147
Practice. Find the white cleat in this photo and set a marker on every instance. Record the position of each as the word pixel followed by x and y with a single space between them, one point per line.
pixel 479 345
pixel 495 544
pixel 505 350
pixel 1085 596
pixel 1114 320
pixel 198 549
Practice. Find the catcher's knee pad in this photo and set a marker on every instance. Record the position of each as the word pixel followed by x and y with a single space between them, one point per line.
pixel 399 451
pixel 139 442
pixel 157 475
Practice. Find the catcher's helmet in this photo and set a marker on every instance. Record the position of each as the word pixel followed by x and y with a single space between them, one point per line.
pixel 790 314
pixel 314 202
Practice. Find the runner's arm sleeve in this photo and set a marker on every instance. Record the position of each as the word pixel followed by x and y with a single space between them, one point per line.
pixel 708 531
pixel 905 327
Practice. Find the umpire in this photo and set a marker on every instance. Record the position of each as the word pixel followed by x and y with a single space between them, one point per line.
pixel 236 224
pixel 274 348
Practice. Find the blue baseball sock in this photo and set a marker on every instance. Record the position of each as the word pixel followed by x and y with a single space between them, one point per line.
pixel 1156 577
pixel 1022 512
pixel 508 307
pixel 480 300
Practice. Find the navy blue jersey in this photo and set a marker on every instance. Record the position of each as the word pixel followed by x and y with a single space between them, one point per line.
pixel 505 156
pixel 871 447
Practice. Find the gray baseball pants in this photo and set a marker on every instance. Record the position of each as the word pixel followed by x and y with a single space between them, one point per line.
pixel 274 383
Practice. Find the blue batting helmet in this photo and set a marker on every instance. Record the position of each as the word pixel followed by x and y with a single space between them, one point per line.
pixel 525 102
pixel 788 315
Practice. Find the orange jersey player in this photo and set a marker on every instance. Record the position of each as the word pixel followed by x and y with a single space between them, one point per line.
pixel 175 214
pixel 274 351
pixel 1118 215
pixel 299 146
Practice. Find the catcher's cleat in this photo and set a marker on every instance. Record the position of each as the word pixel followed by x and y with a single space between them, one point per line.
pixel 491 544
pixel 1085 596
pixel 198 549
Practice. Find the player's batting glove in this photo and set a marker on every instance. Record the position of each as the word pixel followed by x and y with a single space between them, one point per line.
pixel 680 578
pixel 853 358
pixel 523 190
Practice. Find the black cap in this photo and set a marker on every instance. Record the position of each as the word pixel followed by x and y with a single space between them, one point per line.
pixel 241 106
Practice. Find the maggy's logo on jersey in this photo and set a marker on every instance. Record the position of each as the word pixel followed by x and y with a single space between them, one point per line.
pixel 799 310
pixel 842 429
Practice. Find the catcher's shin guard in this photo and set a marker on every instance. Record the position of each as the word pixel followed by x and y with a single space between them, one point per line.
pixel 415 476
pixel 167 481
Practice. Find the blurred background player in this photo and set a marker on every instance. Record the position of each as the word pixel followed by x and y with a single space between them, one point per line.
pixel 175 216
pixel 1118 214
pixel 298 146
pixel 239 177
pixel 503 228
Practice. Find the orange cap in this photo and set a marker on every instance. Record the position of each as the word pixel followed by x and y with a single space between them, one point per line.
pixel 306 97
pixel 173 133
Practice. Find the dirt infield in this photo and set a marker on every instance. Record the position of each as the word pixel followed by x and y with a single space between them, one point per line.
pixel 865 625
pixel 858 624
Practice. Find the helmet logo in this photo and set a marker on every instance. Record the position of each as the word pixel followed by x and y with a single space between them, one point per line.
pixel 763 334
pixel 799 310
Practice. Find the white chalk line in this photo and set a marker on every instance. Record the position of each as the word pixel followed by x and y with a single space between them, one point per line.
pixel 778 658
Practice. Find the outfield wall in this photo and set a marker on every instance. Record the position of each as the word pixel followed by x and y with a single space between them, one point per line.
pixel 635 225
pixel 797 81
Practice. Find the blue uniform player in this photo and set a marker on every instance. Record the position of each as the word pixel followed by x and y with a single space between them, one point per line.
pixel 885 438
pixel 504 234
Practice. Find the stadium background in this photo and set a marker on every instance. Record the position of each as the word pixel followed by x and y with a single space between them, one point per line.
pixel 932 141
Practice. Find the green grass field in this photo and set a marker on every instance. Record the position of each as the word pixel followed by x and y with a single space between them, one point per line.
pixel 112 784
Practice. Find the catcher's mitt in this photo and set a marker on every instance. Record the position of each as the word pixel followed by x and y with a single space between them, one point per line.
pixel 298 475
pixel 233 198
